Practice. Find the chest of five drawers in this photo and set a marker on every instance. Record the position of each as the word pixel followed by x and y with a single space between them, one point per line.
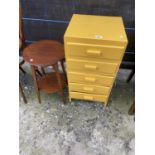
pixel 92 59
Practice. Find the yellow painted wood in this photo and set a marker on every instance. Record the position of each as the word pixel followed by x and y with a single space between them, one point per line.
pixel 81 78
pixel 104 28
pixel 94 48
pixel 86 96
pixel 94 51
pixel 90 79
pixel 92 89
pixel 101 68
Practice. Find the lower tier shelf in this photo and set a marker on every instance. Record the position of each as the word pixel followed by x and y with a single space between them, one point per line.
pixel 49 83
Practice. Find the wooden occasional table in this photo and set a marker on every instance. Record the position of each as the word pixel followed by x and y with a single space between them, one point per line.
pixel 46 53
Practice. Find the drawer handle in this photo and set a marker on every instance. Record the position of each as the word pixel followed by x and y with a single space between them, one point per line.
pixel 88 89
pixel 93 52
pixel 88 97
pixel 90 67
pixel 90 79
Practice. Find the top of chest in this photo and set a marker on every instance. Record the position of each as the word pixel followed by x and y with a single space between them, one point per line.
pixel 96 29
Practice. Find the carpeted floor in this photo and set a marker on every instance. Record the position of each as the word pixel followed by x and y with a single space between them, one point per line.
pixel 80 127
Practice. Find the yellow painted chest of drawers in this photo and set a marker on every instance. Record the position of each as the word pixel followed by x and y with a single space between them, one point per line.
pixel 94 48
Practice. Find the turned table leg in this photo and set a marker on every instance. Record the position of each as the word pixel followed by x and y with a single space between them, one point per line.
pixel 35 83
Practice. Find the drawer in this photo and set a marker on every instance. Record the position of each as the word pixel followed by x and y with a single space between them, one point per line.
pixel 75 77
pixel 92 67
pixel 94 51
pixel 91 89
pixel 90 97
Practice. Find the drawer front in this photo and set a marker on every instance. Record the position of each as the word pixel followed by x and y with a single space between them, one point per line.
pixel 94 51
pixel 74 77
pixel 91 89
pixel 92 67
pixel 90 97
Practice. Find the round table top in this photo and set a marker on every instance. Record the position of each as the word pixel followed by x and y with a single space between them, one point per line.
pixel 44 52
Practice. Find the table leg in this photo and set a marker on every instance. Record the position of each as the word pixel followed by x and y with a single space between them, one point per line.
pixel 35 83
pixel 37 71
pixel 61 92
pixel 132 109
pixel 131 75
pixel 64 71
pixel 42 70
pixel 22 70
pixel 20 66
pixel 22 92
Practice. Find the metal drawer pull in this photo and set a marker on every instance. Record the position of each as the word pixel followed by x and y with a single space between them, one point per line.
pixel 88 97
pixel 90 67
pixel 88 89
pixel 90 79
pixel 93 52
